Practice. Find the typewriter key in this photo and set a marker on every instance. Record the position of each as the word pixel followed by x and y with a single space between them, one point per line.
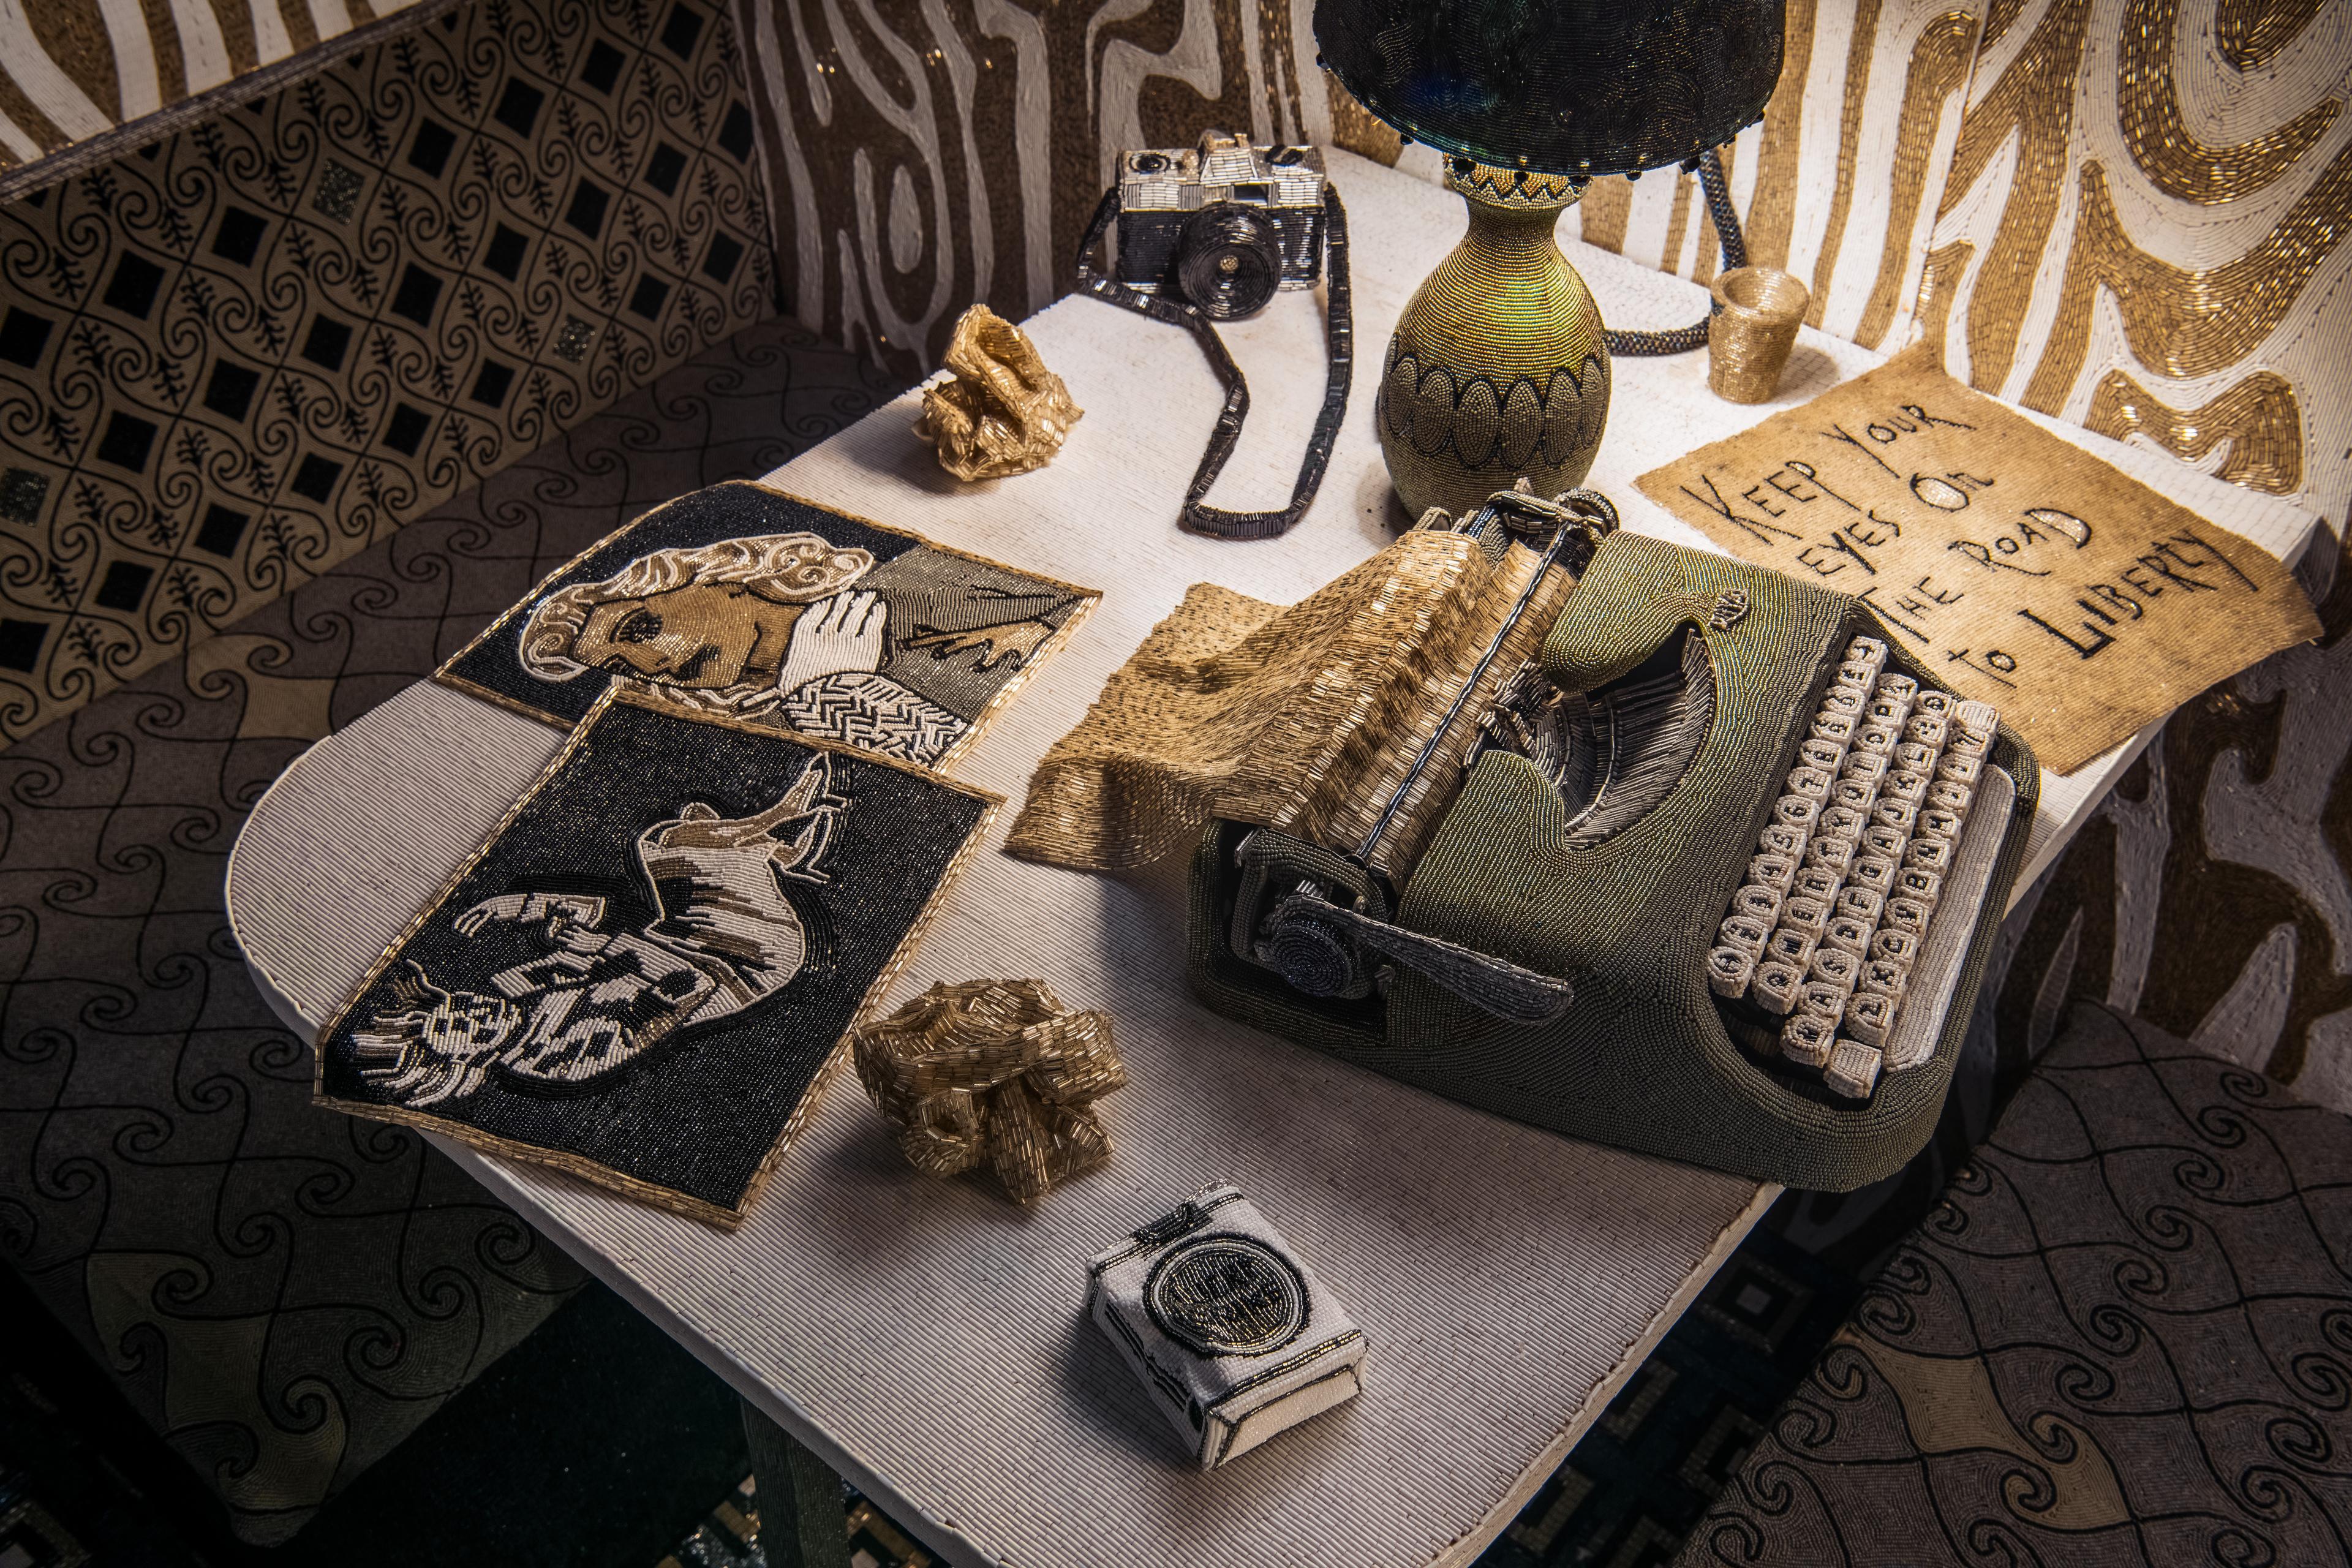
pixel 1939 703
pixel 1884 976
pixel 1853 1070
pixel 1869 1014
pixel 1907 914
pixel 1840 969
pixel 1842 821
pixel 1813 784
pixel 1728 970
pixel 1925 886
pixel 1960 769
pixel 1835 728
pixel 1874 872
pixel 1975 719
pixel 1877 838
pixel 1895 947
pixel 1866 765
pixel 1842 699
pixel 1798 913
pixel 1757 903
pixel 1825 755
pixel 1961 745
pixel 1912 757
pixel 1861 904
pixel 1822 999
pixel 1949 794
pixel 1779 838
pixel 1808 1037
pixel 1930 855
pixel 1772 870
pixel 1796 811
pixel 1902 687
pixel 1776 986
pixel 1847 933
pixel 1791 946
pixel 1744 931
pixel 1834 853
pixel 1894 812
pixel 1868 649
pixel 1860 674
pixel 1887 711
pixel 1878 739
pixel 1937 823
pixel 1813 882
pixel 1854 794
pixel 1904 785
pixel 1927 729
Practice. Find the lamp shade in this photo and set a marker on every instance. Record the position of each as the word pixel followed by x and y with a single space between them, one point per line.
pixel 1570 87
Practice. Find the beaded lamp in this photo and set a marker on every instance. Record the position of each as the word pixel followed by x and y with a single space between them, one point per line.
pixel 1499 366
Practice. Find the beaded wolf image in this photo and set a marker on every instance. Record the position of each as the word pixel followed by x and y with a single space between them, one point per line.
pixel 644 972
pixel 726 937
pixel 738 602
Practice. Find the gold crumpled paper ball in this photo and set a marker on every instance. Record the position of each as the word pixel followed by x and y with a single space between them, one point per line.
pixel 1001 412
pixel 997 1070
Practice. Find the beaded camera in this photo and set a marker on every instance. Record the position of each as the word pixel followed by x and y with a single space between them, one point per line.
pixel 1669 851
pixel 1221 226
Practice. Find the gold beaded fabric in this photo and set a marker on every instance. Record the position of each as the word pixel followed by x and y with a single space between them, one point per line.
pixel 994 1071
pixel 1000 412
pixel 1306 719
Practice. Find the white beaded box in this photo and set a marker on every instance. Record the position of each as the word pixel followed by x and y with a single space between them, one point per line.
pixel 1231 1335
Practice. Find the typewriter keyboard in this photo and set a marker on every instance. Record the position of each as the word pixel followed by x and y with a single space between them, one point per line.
pixel 1848 873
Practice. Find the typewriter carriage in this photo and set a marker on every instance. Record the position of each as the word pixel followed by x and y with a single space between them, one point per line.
pixel 1646 1056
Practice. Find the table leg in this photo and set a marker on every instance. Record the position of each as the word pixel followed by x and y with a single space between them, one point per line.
pixel 802 1521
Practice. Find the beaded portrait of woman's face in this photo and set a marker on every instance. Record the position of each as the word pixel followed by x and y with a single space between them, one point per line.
pixel 739 601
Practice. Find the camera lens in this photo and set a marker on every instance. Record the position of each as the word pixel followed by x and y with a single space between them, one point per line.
pixel 1149 163
pixel 1229 260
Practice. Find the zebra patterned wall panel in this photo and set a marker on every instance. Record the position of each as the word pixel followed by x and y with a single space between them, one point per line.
pixel 73 70
pixel 2145 230
pixel 236 356
pixel 931 156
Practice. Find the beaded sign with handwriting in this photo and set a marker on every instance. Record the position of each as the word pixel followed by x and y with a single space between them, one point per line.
pixel 2023 570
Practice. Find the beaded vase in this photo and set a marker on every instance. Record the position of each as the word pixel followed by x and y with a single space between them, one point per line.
pixel 1497 371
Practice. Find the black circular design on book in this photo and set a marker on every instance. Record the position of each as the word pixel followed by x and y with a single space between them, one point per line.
pixel 1226 1295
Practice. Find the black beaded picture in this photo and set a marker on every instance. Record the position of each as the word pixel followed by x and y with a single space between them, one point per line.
pixel 643 975
pixel 741 600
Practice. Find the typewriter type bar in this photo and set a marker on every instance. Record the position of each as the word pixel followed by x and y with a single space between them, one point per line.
pixel 1843 889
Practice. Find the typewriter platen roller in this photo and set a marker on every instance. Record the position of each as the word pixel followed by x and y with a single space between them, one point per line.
pixel 1714 876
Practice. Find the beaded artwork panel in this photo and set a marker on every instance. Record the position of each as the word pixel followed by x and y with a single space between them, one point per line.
pixel 642 977
pixel 244 352
pixel 741 600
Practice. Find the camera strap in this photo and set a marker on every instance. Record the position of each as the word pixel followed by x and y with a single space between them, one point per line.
pixel 1341 341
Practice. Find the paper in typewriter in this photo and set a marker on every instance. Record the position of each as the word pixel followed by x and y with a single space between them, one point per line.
pixel 1305 719
pixel 645 973
pixel 2020 569
pixel 746 603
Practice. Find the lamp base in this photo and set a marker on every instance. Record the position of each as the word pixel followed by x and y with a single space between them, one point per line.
pixel 1499 370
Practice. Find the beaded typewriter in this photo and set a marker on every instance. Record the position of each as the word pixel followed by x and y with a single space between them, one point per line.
pixel 1712 874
